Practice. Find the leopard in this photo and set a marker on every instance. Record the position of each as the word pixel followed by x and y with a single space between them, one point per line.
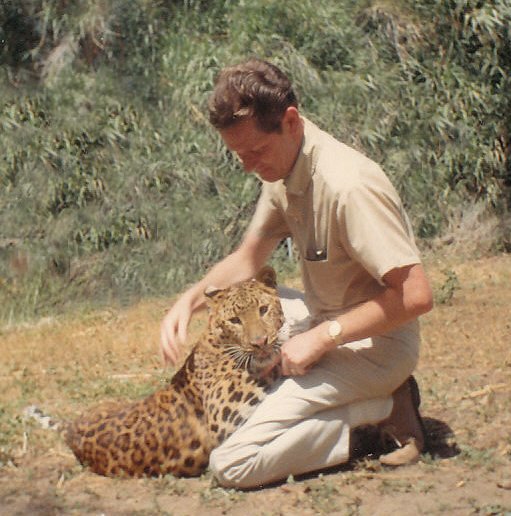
pixel 226 375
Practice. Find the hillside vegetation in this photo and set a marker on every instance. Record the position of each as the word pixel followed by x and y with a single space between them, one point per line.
pixel 112 184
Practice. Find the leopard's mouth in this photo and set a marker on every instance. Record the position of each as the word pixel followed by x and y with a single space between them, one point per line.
pixel 261 366
pixel 266 354
pixel 255 358
pixel 262 358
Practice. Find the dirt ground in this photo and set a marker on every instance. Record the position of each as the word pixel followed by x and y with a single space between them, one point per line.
pixel 65 364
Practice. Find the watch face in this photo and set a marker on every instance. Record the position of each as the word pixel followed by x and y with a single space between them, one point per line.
pixel 335 329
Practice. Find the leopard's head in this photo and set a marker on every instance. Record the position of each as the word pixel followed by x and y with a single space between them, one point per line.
pixel 245 320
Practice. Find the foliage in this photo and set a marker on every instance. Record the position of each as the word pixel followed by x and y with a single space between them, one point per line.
pixel 445 292
pixel 113 185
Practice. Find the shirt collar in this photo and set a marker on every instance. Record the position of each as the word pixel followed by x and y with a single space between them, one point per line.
pixel 298 180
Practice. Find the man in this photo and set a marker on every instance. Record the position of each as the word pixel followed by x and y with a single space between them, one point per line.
pixel 364 287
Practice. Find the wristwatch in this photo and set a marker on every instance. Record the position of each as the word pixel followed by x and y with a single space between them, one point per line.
pixel 335 332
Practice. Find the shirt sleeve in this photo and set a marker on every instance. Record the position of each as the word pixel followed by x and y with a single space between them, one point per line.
pixel 375 230
pixel 268 219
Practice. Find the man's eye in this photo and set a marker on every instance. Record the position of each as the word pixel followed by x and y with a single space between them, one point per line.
pixel 263 310
pixel 235 320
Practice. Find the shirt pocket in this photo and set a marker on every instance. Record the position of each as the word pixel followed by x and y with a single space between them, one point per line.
pixel 322 287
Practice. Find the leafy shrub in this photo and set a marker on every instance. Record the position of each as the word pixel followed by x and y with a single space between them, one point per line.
pixel 113 184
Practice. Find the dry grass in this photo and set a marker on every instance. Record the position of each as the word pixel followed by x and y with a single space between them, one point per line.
pixel 65 364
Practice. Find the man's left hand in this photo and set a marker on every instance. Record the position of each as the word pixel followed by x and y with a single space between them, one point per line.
pixel 302 351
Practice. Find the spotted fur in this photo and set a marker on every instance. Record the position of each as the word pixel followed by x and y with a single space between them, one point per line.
pixel 214 392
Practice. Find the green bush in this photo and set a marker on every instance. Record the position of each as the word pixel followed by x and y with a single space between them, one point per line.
pixel 114 186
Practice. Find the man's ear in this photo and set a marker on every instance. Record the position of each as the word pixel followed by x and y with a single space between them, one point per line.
pixel 268 276
pixel 291 119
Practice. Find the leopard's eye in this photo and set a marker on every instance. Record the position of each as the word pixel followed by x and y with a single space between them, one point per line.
pixel 263 309
pixel 235 320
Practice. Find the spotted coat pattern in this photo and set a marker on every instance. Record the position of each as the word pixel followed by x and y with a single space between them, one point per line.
pixel 220 383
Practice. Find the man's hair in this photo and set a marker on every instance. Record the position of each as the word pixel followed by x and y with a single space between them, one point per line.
pixel 253 89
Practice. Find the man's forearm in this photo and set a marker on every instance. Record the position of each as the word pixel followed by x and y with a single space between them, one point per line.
pixel 228 271
pixel 242 264
pixel 406 297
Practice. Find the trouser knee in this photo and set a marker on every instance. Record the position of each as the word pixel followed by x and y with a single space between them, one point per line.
pixel 229 473
pixel 220 468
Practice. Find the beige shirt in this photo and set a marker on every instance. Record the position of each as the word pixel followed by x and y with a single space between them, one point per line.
pixel 345 218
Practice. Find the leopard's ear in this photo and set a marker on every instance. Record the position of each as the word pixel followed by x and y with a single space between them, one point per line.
pixel 268 276
pixel 213 295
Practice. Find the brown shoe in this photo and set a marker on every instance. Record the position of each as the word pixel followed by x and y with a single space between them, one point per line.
pixel 404 426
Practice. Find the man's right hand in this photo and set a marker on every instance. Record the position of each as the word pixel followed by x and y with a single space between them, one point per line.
pixel 174 329
pixel 237 266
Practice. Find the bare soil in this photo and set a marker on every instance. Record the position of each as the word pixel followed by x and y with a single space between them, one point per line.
pixel 65 364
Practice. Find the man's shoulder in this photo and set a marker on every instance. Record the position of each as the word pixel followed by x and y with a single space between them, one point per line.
pixel 334 158
pixel 343 168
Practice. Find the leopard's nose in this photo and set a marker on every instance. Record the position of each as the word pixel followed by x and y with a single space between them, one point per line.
pixel 259 341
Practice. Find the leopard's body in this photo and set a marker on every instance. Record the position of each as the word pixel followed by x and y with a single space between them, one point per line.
pixel 217 388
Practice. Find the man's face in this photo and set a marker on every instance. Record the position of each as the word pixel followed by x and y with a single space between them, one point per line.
pixel 270 155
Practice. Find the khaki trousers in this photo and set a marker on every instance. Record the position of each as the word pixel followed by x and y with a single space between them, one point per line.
pixel 304 423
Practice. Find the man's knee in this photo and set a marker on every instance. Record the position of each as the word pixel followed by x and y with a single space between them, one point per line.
pixel 230 473
pixel 216 468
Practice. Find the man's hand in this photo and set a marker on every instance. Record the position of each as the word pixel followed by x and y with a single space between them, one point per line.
pixel 240 265
pixel 304 350
pixel 174 329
